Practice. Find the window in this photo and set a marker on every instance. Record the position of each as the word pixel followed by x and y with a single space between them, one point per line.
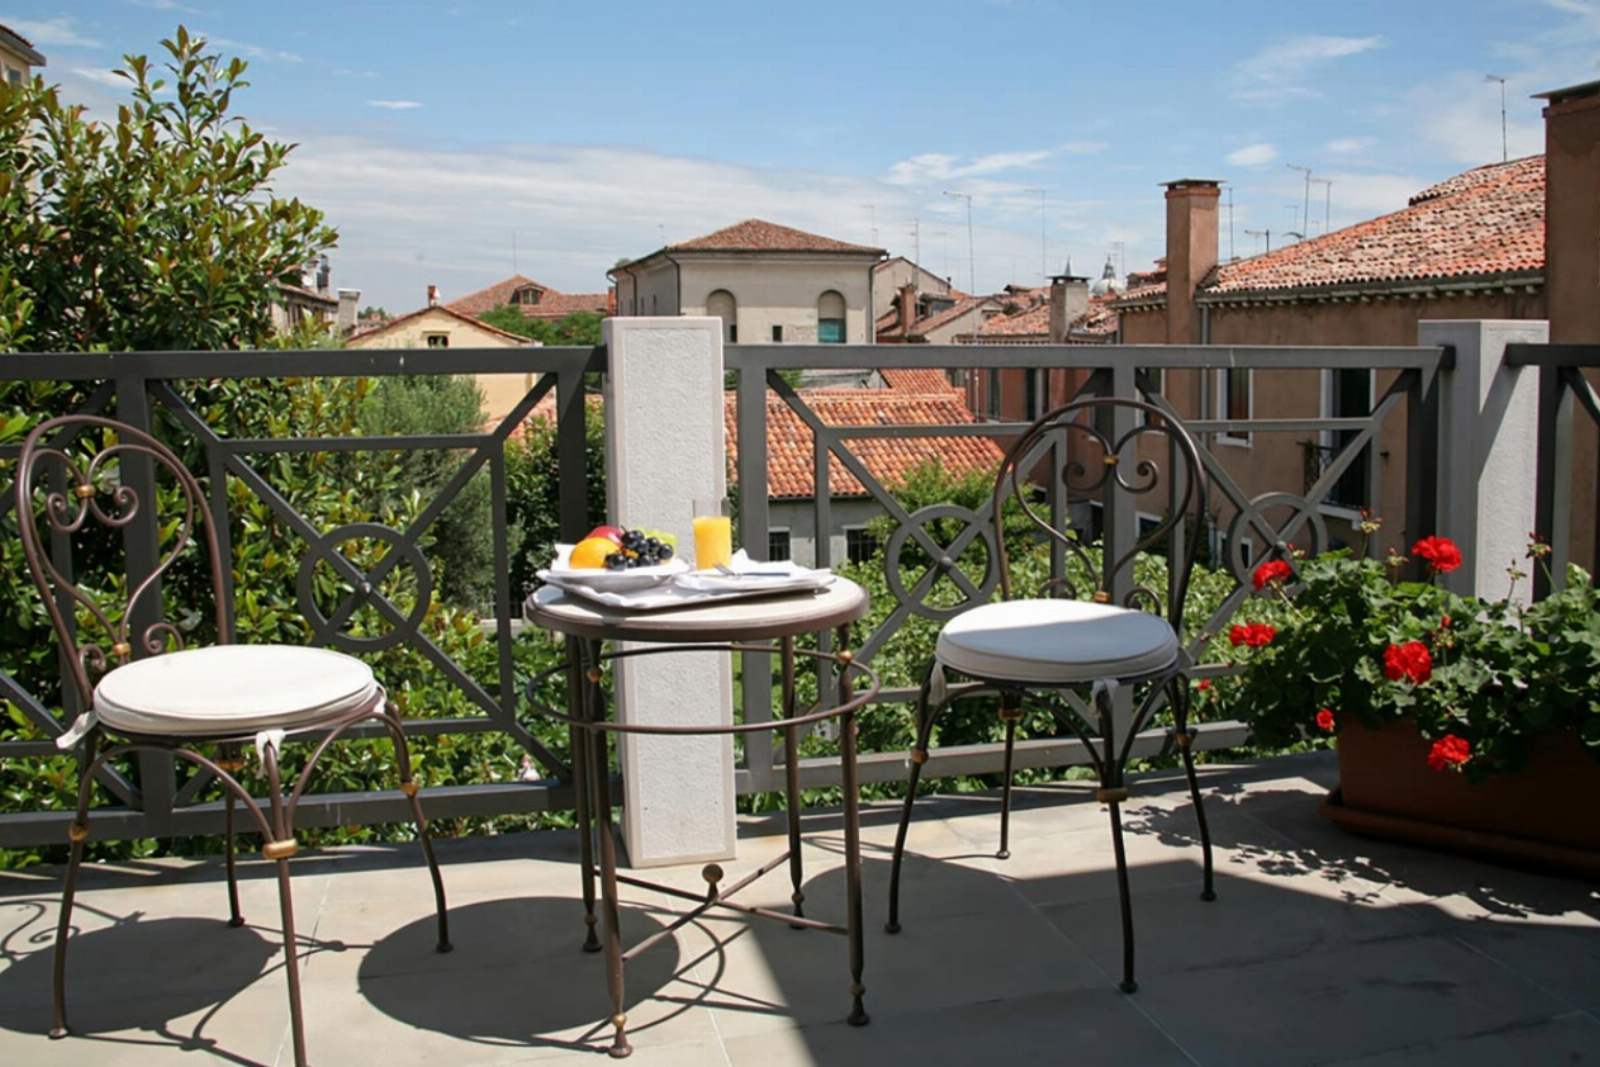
pixel 720 303
pixel 993 399
pixel 1033 393
pixel 653 302
pixel 1234 400
pixel 859 544
pixel 527 295
pixel 14 76
pixel 778 545
pixel 438 340
pixel 830 318
pixel 1347 393
pixel 777 333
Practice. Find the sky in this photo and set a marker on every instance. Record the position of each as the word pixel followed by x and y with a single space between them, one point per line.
pixel 450 142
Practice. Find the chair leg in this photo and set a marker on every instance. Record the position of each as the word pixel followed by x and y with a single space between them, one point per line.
pixel 791 782
pixel 1185 742
pixel 1009 716
pixel 77 835
pixel 578 743
pixel 926 714
pixel 408 786
pixel 235 917
pixel 1127 985
pixel 279 850
pixel 611 921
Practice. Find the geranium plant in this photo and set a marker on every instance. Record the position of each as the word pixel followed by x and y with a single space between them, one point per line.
pixel 1353 642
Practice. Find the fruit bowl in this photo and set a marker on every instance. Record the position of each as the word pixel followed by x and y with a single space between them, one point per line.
pixel 561 572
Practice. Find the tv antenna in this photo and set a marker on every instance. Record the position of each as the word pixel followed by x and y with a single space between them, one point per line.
pixel 972 257
pixel 1267 233
pixel 1306 207
pixel 1327 203
pixel 1502 81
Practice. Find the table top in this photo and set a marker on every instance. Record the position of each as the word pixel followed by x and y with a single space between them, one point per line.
pixel 753 619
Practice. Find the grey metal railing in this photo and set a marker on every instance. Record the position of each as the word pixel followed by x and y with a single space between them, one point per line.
pixel 138 387
pixel 1112 370
pixel 1564 392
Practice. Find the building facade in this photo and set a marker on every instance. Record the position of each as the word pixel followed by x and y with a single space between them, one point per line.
pixel 768 284
pixel 17 57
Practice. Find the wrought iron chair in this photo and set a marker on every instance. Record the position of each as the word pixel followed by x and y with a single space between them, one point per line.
pixel 1043 651
pixel 227 695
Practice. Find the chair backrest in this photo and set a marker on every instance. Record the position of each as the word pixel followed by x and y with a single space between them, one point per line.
pixel 1094 461
pixel 78 487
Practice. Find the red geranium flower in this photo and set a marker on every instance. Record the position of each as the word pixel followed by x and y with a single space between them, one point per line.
pixel 1274 570
pixel 1441 553
pixel 1411 661
pixel 1203 684
pixel 1449 751
pixel 1237 634
pixel 1260 634
pixel 1325 720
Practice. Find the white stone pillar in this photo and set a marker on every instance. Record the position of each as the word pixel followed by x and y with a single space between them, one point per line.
pixel 1488 443
pixel 665 446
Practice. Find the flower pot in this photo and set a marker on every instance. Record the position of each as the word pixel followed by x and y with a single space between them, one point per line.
pixel 1541 816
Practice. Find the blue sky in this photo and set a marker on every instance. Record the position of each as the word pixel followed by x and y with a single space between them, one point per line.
pixel 433 133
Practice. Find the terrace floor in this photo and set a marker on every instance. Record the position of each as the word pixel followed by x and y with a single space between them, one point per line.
pixel 1321 948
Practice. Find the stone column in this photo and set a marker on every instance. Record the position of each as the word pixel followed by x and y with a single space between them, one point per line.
pixel 665 446
pixel 1488 437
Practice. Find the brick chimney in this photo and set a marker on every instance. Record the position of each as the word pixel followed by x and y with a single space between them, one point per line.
pixel 906 299
pixel 348 299
pixel 1191 251
pixel 1572 213
pixel 433 296
pixel 1069 298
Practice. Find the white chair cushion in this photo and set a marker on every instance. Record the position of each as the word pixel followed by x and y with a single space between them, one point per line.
pixel 1056 642
pixel 233 689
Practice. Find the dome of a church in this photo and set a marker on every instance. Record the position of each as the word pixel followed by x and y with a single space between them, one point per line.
pixel 1107 282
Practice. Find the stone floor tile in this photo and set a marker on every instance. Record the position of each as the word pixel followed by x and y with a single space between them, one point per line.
pixel 1567 1039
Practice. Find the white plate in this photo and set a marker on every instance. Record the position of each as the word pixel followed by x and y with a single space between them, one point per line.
pixel 562 573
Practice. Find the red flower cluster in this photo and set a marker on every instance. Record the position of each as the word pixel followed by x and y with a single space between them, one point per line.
pixel 1411 661
pixel 1203 684
pixel 1254 634
pixel 1441 553
pixel 1274 570
pixel 1325 720
pixel 1449 751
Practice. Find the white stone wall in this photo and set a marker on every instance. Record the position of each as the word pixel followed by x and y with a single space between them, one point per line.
pixel 780 291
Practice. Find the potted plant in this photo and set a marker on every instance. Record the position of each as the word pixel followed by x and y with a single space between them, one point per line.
pixel 1461 723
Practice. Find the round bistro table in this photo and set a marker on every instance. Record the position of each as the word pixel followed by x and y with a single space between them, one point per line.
pixel 746 625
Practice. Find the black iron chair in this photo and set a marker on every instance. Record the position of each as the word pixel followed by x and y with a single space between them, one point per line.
pixel 1042 651
pixel 226 696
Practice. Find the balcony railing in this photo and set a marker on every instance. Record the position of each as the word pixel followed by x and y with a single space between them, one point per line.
pixel 142 388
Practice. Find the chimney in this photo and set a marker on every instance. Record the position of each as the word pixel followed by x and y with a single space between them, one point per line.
pixel 908 306
pixel 346 322
pixel 1069 298
pixel 1572 213
pixel 433 296
pixel 324 275
pixel 1191 251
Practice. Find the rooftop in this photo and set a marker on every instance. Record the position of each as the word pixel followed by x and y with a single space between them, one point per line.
pixel 1320 948
pixel 759 235
pixel 552 304
pixel 12 40
pixel 1485 222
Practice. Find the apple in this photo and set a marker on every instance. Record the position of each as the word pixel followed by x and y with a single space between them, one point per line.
pixel 610 533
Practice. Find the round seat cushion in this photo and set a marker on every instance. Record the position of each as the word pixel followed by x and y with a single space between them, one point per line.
pixel 233 689
pixel 1056 642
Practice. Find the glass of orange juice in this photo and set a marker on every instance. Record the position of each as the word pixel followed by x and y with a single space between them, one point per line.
pixel 713 533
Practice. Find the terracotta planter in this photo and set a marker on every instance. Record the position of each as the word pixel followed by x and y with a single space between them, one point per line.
pixel 1542 816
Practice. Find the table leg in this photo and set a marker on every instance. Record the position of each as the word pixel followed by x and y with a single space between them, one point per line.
pixel 579 739
pixel 852 837
pixel 600 777
pixel 791 773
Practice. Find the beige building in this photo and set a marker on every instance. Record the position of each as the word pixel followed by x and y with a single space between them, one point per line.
pixel 893 274
pixel 768 283
pixel 17 57
pixel 438 326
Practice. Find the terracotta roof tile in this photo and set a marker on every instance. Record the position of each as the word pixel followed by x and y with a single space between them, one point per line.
pixel 1099 320
pixel 552 304
pixel 917 379
pixel 758 235
pixel 889 459
pixel 1485 221
pixel 389 324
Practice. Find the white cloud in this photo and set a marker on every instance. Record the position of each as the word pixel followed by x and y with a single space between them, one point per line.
pixel 59 32
pixel 252 51
pixel 931 167
pixel 1460 116
pixel 100 76
pixel 1349 146
pixel 1253 155
pixel 346 72
pixel 163 5
pixel 395 105
pixel 1279 71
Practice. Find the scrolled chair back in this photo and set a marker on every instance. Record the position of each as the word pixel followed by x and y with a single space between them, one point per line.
pixel 1094 461
pixel 77 488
